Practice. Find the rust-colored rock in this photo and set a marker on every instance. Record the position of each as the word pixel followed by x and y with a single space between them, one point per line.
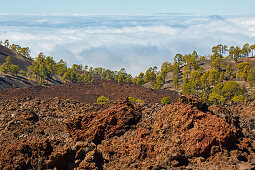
pixel 66 134
pixel 97 126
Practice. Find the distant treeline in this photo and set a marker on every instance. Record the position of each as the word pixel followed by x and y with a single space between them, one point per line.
pixel 216 84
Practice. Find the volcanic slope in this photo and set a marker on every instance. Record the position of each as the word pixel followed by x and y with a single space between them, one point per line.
pixel 88 92
pixel 16 59
pixel 21 81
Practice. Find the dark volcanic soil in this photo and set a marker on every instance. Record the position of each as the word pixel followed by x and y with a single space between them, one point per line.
pixel 89 92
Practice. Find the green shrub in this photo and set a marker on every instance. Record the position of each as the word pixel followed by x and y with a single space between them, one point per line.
pixel 131 99
pixel 253 94
pixel 102 100
pixel 22 72
pixel 139 101
pixel 216 98
pixel 165 100
pixel 238 98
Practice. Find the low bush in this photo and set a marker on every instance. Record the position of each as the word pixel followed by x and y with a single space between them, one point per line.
pixel 131 99
pixel 238 98
pixel 139 101
pixel 165 100
pixel 102 100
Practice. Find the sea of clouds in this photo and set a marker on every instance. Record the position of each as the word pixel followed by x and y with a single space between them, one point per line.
pixel 132 42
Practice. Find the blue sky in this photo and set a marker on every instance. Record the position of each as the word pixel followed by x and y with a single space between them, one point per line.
pixel 129 7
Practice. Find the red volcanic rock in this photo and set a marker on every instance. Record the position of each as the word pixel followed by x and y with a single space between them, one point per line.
pixel 178 132
pixel 66 134
pixel 97 126
pixel 196 130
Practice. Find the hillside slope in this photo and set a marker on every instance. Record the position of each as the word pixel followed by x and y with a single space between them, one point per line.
pixel 205 66
pixel 16 59
pixel 89 92
pixel 21 81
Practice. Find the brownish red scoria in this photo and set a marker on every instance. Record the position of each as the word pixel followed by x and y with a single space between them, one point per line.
pixel 66 134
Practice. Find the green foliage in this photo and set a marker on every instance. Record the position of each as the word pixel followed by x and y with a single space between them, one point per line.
pixel 131 99
pixel 222 77
pixel 231 89
pixel 178 59
pixel 51 67
pixel 252 95
pixel 140 79
pixel 205 97
pixel 231 52
pixel 77 67
pixel 219 50
pixel 61 67
pixel 237 53
pixel 191 60
pixel 71 76
pixel 205 80
pixel 252 49
pixel 251 77
pixel 7 67
pixel 176 74
pixel 166 67
pixel 187 87
pixel 213 77
pixel 165 100
pixel 102 100
pixel 243 70
pixel 8 60
pixel 193 85
pixel 22 72
pixel 160 81
pixel 234 53
pixel 246 50
pixel 122 75
pixel 6 43
pixel 129 78
pixel 185 76
pixel 229 72
pixel 45 67
pixel 186 70
pixel 224 92
pixel 14 69
pixel 216 98
pixel 150 75
pixel 139 101
pixel 218 88
pixel 238 98
pixel 195 78
pixel 218 64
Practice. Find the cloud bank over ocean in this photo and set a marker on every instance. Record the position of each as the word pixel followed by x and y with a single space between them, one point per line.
pixel 132 42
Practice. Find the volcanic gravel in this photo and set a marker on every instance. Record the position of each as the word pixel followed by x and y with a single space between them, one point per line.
pixel 89 92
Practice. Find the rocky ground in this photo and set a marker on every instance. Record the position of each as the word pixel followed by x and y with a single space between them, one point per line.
pixel 88 92
pixel 67 134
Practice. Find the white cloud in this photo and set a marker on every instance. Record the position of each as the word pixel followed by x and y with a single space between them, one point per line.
pixel 135 43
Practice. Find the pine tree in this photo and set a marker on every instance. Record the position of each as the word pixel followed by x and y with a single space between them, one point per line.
pixel 246 50
pixel 230 72
pixel 222 77
pixel 251 78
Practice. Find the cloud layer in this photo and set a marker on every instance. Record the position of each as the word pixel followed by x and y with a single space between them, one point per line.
pixel 133 42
